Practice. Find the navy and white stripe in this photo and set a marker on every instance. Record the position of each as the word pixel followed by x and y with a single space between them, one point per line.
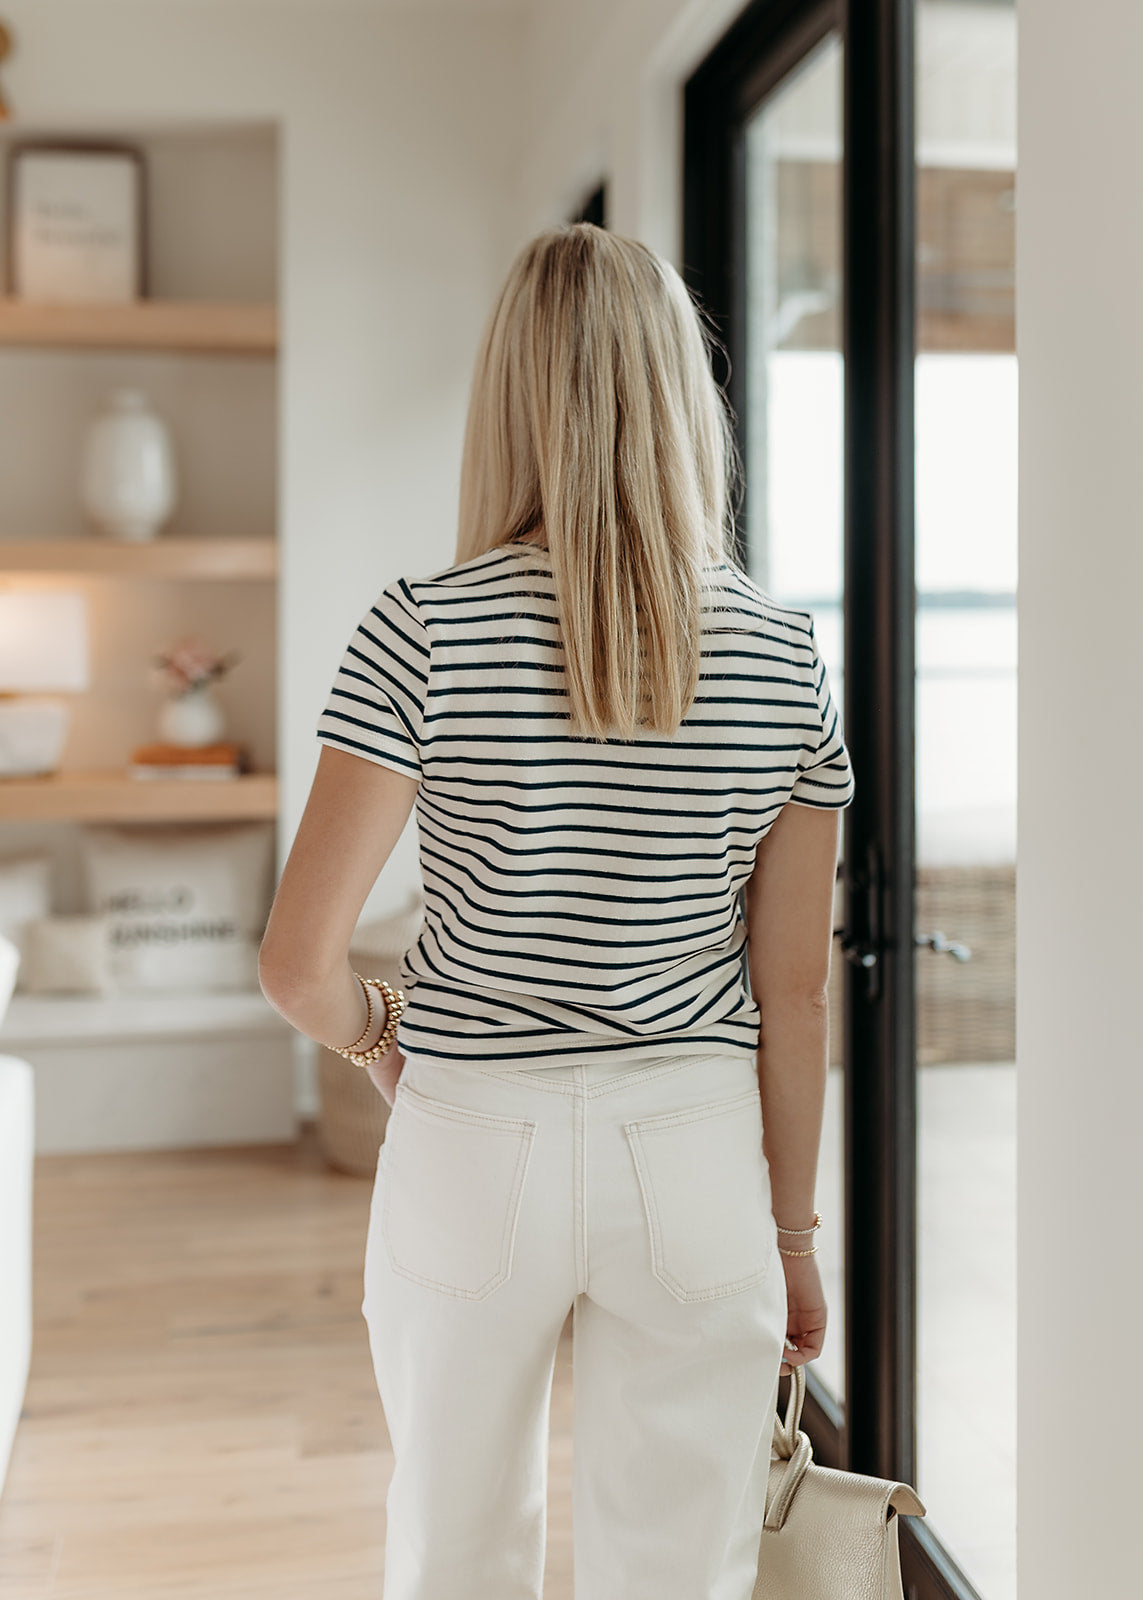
pixel 581 897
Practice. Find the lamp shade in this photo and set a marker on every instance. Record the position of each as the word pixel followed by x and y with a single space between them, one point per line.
pixel 43 642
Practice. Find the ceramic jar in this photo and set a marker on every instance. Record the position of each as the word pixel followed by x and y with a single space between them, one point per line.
pixel 128 483
pixel 193 718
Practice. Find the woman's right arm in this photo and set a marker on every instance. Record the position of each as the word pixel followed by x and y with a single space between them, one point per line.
pixel 789 918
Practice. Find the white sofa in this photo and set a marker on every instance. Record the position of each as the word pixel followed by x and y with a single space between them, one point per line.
pixel 17 1144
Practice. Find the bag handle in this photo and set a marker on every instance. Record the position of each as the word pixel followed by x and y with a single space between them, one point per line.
pixel 793 1446
pixel 788 1433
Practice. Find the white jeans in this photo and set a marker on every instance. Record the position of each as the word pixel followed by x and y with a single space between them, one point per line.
pixel 640 1195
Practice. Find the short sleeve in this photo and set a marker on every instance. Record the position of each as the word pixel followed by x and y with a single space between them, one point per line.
pixel 825 775
pixel 376 705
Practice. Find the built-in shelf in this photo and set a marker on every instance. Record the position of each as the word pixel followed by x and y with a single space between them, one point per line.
pixel 41 1019
pixel 157 558
pixel 206 326
pixel 114 796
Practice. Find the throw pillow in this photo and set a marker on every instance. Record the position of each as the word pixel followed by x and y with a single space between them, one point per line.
pixel 9 963
pixel 25 892
pixel 67 955
pixel 187 903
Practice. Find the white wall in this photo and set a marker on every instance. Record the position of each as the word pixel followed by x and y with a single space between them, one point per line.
pixel 1079 877
pixel 604 98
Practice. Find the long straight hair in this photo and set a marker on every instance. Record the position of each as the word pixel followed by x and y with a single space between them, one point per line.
pixel 595 419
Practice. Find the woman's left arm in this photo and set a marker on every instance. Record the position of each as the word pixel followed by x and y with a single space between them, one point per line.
pixel 356 812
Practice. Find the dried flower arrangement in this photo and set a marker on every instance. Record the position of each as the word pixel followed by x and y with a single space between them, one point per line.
pixel 189 664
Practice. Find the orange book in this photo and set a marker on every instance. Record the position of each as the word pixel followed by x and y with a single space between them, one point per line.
pixel 223 759
pixel 224 753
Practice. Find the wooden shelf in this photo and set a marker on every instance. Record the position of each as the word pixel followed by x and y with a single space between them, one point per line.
pixel 113 796
pixel 159 558
pixel 205 326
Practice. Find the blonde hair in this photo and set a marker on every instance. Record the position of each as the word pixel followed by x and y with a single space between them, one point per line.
pixel 595 417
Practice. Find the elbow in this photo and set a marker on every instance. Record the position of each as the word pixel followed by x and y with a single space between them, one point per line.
pixel 799 996
pixel 793 1024
pixel 272 978
pixel 285 981
pixel 810 1003
pixel 815 996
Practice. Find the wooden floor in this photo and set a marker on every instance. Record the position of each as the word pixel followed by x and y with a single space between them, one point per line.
pixel 201 1419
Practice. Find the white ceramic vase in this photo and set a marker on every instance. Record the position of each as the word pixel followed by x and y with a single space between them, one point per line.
pixel 127 481
pixel 192 718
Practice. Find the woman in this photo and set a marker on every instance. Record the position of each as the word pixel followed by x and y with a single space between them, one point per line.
pixel 609 731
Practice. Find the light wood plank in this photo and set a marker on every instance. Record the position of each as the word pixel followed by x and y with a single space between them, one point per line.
pixel 202 1419
pixel 113 796
pixel 208 327
pixel 159 558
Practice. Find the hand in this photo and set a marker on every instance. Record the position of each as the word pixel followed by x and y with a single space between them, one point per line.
pixel 385 1074
pixel 805 1313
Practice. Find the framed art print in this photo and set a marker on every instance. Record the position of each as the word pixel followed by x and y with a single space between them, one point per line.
pixel 75 222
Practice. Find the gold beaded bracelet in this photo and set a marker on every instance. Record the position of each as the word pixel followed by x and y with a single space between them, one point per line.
pixel 817 1222
pixel 394 1006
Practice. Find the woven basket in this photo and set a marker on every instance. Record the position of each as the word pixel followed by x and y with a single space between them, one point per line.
pixel 965 1011
pixel 353 1114
pixel 351 1123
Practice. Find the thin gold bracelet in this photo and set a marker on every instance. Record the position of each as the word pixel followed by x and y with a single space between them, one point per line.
pixel 368 1028
pixel 814 1226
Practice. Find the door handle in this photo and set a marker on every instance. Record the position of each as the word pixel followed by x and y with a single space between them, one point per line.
pixel 859 951
pixel 862 954
pixel 864 948
pixel 937 941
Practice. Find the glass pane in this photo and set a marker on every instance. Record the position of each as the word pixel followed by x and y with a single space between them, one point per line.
pixel 966 782
pixel 793 463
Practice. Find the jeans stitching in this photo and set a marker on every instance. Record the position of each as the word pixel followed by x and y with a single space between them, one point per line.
pixel 640 1074
pixel 536 1083
pixel 525 1133
pixel 711 1108
pixel 443 1109
pixel 571 1086
pixel 580 1181
pixel 634 1131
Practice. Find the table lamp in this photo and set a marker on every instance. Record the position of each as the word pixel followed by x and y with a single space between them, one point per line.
pixel 43 651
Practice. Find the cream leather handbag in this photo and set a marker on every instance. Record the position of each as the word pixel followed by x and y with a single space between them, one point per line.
pixel 828 1535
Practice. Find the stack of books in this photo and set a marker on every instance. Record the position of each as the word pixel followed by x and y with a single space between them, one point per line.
pixel 221 760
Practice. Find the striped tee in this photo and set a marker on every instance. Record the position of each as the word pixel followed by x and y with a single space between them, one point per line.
pixel 581 898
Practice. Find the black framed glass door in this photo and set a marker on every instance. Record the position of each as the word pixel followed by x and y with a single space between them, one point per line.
pixel 800 241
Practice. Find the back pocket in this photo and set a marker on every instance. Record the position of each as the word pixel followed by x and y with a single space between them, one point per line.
pixel 453 1184
pixel 705 1185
